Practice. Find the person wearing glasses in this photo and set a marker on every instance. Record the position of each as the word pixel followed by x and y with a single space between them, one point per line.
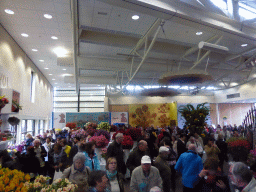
pixel 116 179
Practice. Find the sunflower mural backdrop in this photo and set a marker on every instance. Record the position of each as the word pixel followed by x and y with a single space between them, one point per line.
pixel 145 115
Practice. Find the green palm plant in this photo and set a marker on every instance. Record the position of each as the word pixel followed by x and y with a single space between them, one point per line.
pixel 195 116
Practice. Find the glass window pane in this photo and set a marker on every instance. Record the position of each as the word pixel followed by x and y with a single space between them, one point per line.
pixel 65 104
pixel 96 92
pixel 65 99
pixel 92 104
pixel 91 109
pixel 92 98
pixel 65 109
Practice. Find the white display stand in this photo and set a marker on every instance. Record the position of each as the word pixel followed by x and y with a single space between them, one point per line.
pixel 4 144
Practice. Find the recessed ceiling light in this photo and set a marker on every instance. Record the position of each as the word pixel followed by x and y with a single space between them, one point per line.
pixel 60 52
pixel 46 68
pixel 8 11
pixel 54 37
pixel 64 69
pixel 41 60
pixel 34 50
pixel 135 17
pixel 244 45
pixel 24 34
pixel 47 16
pixel 50 74
pixel 199 33
pixel 53 79
pixel 55 83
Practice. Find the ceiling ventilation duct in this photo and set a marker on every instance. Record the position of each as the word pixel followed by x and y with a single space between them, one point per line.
pixel 161 92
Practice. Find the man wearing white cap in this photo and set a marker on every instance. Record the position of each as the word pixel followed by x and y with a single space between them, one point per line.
pixel 145 176
pixel 164 168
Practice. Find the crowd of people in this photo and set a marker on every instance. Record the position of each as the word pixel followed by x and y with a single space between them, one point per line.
pixel 154 164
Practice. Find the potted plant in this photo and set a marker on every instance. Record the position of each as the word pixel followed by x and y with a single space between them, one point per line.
pixel 239 148
pixel 3 102
pixel 105 126
pixel 16 107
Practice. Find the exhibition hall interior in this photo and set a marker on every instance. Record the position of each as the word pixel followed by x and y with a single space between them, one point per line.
pixel 76 68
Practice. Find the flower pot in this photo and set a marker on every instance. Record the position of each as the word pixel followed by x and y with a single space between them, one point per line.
pixel 4 138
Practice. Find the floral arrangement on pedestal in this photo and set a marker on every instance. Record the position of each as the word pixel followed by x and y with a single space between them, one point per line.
pixel 127 142
pixel 71 125
pixel 90 125
pixel 100 141
pixel 3 102
pixel 13 180
pixel 105 126
pixel 195 117
pixel 239 148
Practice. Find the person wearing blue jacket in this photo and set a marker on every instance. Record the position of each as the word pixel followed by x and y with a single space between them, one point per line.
pixel 189 165
pixel 91 160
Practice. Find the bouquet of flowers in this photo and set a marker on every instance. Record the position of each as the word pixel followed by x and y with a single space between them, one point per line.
pixel 135 133
pixel 105 126
pixel 100 141
pixel 81 133
pixel 12 180
pixel 103 132
pixel 127 142
pixel 251 157
pixel 71 125
pixel 238 148
pixel 3 101
pixel 90 125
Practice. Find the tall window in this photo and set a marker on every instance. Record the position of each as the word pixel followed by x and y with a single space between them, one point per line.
pixel 32 87
pixel 89 99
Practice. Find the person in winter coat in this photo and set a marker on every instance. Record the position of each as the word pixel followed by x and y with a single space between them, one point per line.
pixel 91 160
pixel 134 159
pixel 78 173
pixel 115 150
pixel 242 177
pixel 163 167
pixel 223 146
pixel 145 176
pixel 29 140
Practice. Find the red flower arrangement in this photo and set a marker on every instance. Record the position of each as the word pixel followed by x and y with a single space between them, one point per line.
pixel 91 131
pixel 100 141
pixel 113 128
pixel 3 101
pixel 90 125
pixel 239 148
pixel 127 142
pixel 71 125
pixel 135 133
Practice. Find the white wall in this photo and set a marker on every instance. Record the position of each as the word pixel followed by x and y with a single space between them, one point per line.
pixel 122 100
pixel 247 92
pixel 17 67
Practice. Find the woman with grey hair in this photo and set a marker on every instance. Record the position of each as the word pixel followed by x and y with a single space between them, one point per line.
pixel 78 173
pixel 242 177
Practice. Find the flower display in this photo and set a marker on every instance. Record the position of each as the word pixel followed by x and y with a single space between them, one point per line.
pixel 90 125
pixel 40 185
pixel 105 126
pixel 81 133
pixel 238 148
pixel 71 125
pixel 113 128
pixel 13 180
pixel 135 133
pixel 251 157
pixel 104 133
pixel 100 141
pixel 195 117
pixel 127 142
pixel 91 131
pixel 3 100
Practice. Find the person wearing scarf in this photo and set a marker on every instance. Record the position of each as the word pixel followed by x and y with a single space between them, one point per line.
pixel 78 173
pixel 116 179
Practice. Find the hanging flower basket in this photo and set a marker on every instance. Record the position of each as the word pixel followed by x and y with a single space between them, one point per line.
pixel 13 121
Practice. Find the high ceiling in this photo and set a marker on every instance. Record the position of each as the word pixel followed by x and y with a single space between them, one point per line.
pixel 109 43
